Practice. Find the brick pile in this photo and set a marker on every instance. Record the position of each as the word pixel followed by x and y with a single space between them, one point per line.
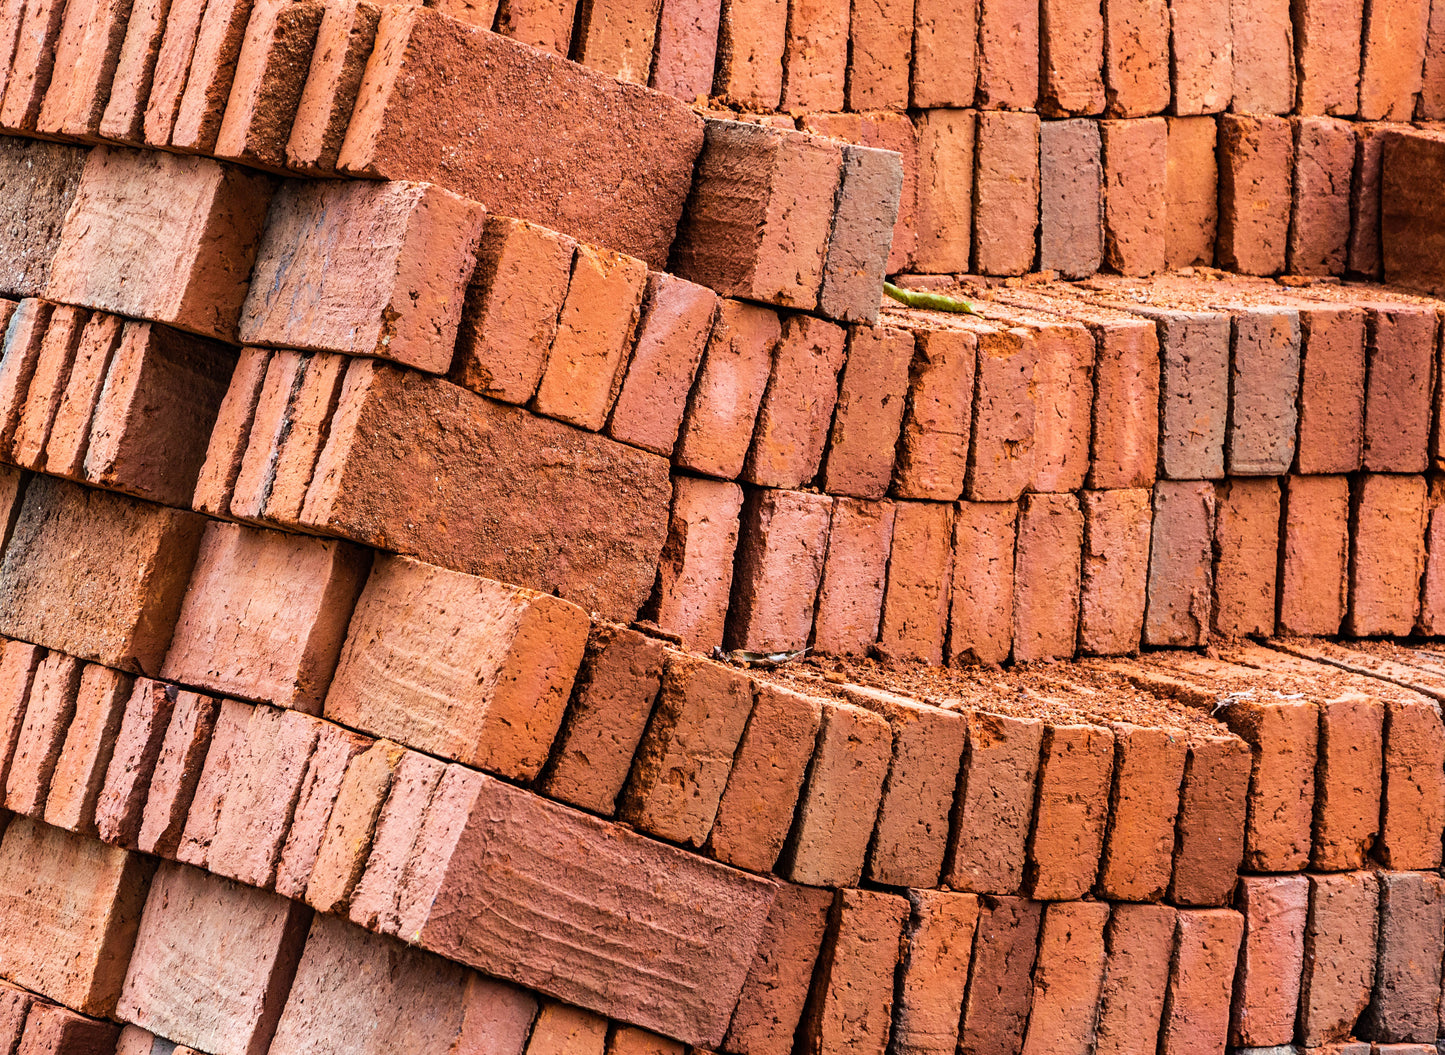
pixel 483 572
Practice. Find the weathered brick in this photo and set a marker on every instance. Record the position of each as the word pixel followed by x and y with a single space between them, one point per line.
pixel 1139 947
pixel 48 713
pixel 341 857
pixel 880 47
pixel 1315 548
pixel 1339 955
pixel 1332 389
pixel 1324 163
pixel 1202 57
pixel 988 843
pixel 119 810
pixel 1391 69
pixel 695 569
pixel 871 402
pixel 944 219
pixel 932 453
pixel 802 391
pixel 54 1030
pixel 69 433
pixel 1071 54
pixel 1068 979
pixel 374 900
pixel 855 574
pixel 783 540
pixel 1327 33
pixel 42 397
pixel 1196 1007
pixel 916 603
pixel 1137 856
pixel 1267 987
pixel 1071 198
pixel 815 58
pixel 1212 809
pixel 1180 565
pixel 203 814
pixel 776 989
pixel 1008 54
pixel 1387 528
pixel 1400 350
pixel 981 610
pixel 750 47
pixel 945 53
pixel 1405 1004
pixel 1246 539
pixel 1072 809
pixel 1264 57
pixel 86 55
pixel 175 775
pixel 79 774
pixel 1191 209
pixel 687 43
pixel 320 787
pixel 1115 568
pixel 1047 568
pixel 1006 202
pixel 933 972
pixel 852 1005
pixel 1255 180
pixel 1136 51
pixel 1136 160
pixel 996 1008
pixel 869 206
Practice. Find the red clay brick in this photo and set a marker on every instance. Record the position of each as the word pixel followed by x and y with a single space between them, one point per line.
pixel 787 445
pixel 1400 345
pixel 1002 461
pixel 1431 104
pixel 1264 58
pixel 47 385
pixel 945 53
pixel 1386 554
pixel 840 797
pixel 1196 1008
pixel 695 569
pixel 212 68
pixel 723 406
pixel 1136 57
pixel 776 989
pixel 1367 198
pixel 1180 576
pixel 1071 182
pixel 71 906
pixel 1131 1003
pixel 1267 988
pixel 86 54
pixel 1339 955
pixel 424 866
pixel 880 45
pixel 981 620
pixel 916 604
pixel 750 50
pixel 815 60
pixel 48 713
pixel 1320 226
pixel 335 748
pixel 544 24
pixel 189 251
pixel 1006 202
pixel 683 762
pixel 344 848
pixel 870 407
pixel 176 772
pixel 415 786
pixel 65 447
pixel 564 1030
pixel 852 1005
pixel 1008 58
pixel 1347 793
pixel 1072 57
pixel 944 220
pixel 988 844
pixel 1432 586
pixel 1328 56
pixel 420 666
pixel 123 118
pixel 1046 577
pixel 614 37
pixel 594 336
pixel 17 672
pixel 1068 979
pixel 203 813
pixel 1191 192
pixel 40 181
pixel 1135 196
pixel 1412 813
pixel 1246 538
pixel 1315 529
pixel 1391 70
pixel 230 438
pixel 1114 571
pixel 122 799
pixel 997 1005
pixel 24 340
pixel 1071 811
pixel 876 130
pixel 784 536
pixel 1405 1005
pixel 79 773
pixel 933 974
pixel 677 318
pixel 932 459
pixel 54 1030
pixel 1332 389
pixel 343 43
pixel 1202 58
pixel 687 41
pixel 1137 856
pixel 1063 392
pixel 1255 178
pixel 869 206
pixel 32 65
pixel 1212 808
pixel 855 573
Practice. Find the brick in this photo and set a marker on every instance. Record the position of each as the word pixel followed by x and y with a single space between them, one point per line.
pixel 1247 528
pixel 677 319
pixel 1136 46
pixel 1068 978
pixel 723 406
pixel 39 181
pixel 988 844
pixel 880 49
pixel 839 801
pixel 1212 807
pixel 271 73
pixel 32 65
pixel 156 374
pixel 1332 390
pixel 320 786
pixel 208 798
pixel 1391 70
pixel 1368 200
pixel 852 1004
pixel 17 673
pixel 86 54
pixel 1386 554
pixel 1047 577
pixel 374 903
pixel 1008 50
pixel 117 562
pixel 177 770
pixel 1314 545
pixel 1137 856
pixel 188 253
pixel 1135 162
pixel 750 49
pixel 1339 955
pixel 996 1008
pixel 615 38
pixel 1006 197
pixel 1431 105
pixel 627 1040
pixel 855 573
pixel 241 946
pixel 231 434
pixel 1138 943
pixel 1255 178
pixel 1412 806
pixel 234 615
pixel 869 206
pixel 932 452
pixel 788 440
pixel 123 117
pixel 682 764
pixel 945 54
pixel 695 569
pixel 71 907
pixel 1328 58
pixel 1002 457
pixel 1180 574
pixel 1071 811
pixel 944 219
pixel 1399 346
pixel 916 603
pixel 594 335
pixel 421 668
pixel 1071 54
pixel 563 1030
pixel 1071 205
pixel 416 1002
pixel 48 713
pixel 776 989
pixel 1432 587
pixel 65 446
pixel 118 811
pixel 1191 192
pixel 79 774
pixel 421 872
pixel 50 1029
pixel 933 972
pixel 1347 792
pixel 344 40
pixel 367 488
pixel 870 407
pixel 1196 1007
pixel 397 293
pixel 1264 58
pixel 1114 573
pixel 24 341
pixel 815 58
pixel 344 848
pixel 47 385
pixel 980 621
pixel 199 110
pixel 1267 988
pixel 1202 58
pixel 542 24
pixel 1319 233
pixel 756 809
pixel 687 41
pixel 1283 736
pixel 783 539
pixel 785 208
pixel 1404 1007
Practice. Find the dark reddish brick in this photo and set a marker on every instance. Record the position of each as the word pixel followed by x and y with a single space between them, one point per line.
pixel 1412 813
pixel 1332 389
pixel 1320 226
pixel 933 974
pixel 1405 1004
pixel 48 713
pixel 750 46
pixel 1047 567
pixel 1314 553
pixel 1212 809
pixel 695 569
pixel 783 540
pixel 1246 537
pixel 988 843
pixel 1368 200
pixel 996 1008
pixel 871 401
pixel 119 810
pixel 1071 198
pixel 79 774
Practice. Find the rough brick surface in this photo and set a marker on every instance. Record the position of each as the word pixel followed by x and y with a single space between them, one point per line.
pixel 855 574
pixel 1320 227
pixel 932 457
pixel 996 1009
pixel 1212 807
pixel 1386 554
pixel 79 773
pixel 792 425
pixel 1326 36
pixel 865 221
pixel 1399 347
pixel 944 222
pixel 1266 990
pixel 1068 979
pixel 1405 1005
pixel 1196 1008
pixel 784 537
pixel 871 401
pixel 1332 389
pixel 915 606
pixel 1255 179
pixel 1071 54
pixel 1246 541
pixel 1137 856
pixel 1202 57
pixel 695 569
pixel 1314 550
pixel 1075 770
pixel 980 620
pixel 995 809
pixel 1006 202
pixel 1180 565
pixel 1008 54
pixel 1114 571
pixel 1046 577
pixel 723 406
pixel 852 1003
pixel 1391 70
pixel 776 989
pixel 1339 955
pixel 1136 163
pixel 933 973
pixel 1413 807
pixel 1071 198
pixel 119 810
pixel 1191 192
pixel 1139 947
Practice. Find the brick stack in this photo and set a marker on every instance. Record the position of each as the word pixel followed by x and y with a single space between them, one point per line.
pixel 431 438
